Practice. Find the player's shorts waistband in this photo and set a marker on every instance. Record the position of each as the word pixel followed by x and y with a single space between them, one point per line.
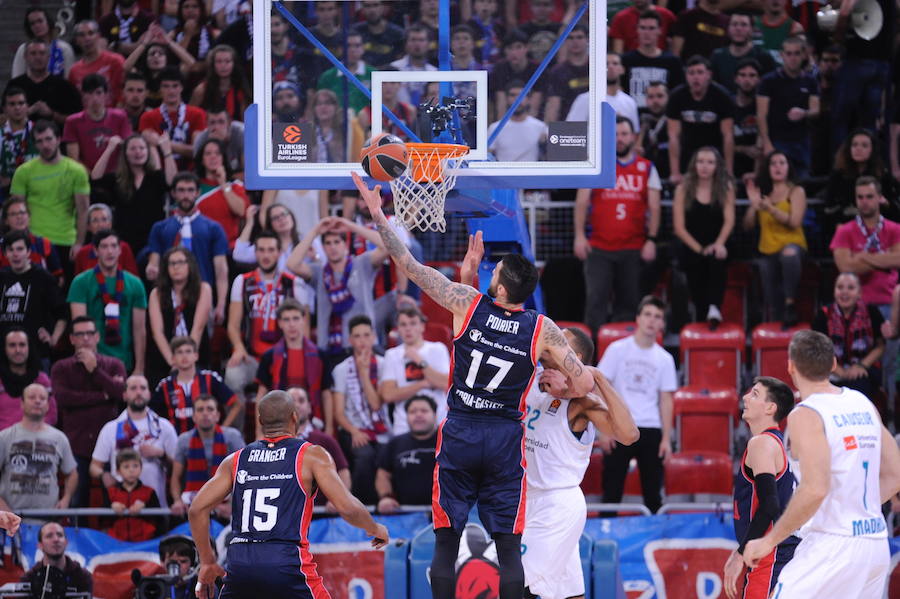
pixel 485 418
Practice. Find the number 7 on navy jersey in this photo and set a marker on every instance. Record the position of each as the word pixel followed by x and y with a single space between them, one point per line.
pixel 504 367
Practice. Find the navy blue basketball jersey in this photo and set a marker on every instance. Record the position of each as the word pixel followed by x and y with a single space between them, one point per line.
pixel 745 500
pixel 268 502
pixel 493 361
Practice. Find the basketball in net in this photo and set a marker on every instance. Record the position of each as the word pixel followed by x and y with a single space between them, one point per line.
pixel 384 157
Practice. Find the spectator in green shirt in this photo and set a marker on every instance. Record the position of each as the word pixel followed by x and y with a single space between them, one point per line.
pixel 57 192
pixel 334 79
pixel 116 301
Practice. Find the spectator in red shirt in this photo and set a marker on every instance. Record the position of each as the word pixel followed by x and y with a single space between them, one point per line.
pixel 87 133
pixel 221 199
pixel 100 218
pixel 621 237
pixel 294 360
pixel 94 59
pixel 623 30
pixel 132 495
pixel 183 123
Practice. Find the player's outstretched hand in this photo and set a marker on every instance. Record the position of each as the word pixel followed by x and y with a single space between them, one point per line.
pixel 472 259
pixel 756 550
pixel 371 196
pixel 9 522
pixel 381 536
pixel 206 580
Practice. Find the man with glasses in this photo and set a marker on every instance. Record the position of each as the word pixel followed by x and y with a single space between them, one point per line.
pixel 94 59
pixel 140 428
pixel 16 217
pixel 88 387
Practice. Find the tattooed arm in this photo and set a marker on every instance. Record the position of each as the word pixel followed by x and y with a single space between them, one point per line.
pixel 553 347
pixel 455 297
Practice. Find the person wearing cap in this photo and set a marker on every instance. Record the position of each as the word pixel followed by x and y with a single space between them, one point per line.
pixel 288 102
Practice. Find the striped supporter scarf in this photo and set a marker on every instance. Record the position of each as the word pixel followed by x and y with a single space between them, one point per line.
pixel 198 469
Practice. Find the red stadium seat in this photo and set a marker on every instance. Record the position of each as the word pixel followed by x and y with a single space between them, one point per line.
pixel 592 483
pixel 705 418
pixel 436 331
pixel 613 331
pixel 770 344
pixel 699 476
pixel 734 306
pixel 712 358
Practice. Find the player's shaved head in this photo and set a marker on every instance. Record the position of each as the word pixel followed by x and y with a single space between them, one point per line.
pixel 275 410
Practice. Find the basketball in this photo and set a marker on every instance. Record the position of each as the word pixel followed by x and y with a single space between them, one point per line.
pixel 384 157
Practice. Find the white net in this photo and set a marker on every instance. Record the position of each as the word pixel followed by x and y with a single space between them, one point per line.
pixel 420 192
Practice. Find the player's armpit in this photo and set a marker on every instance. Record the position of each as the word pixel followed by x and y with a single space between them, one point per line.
pixel 763 453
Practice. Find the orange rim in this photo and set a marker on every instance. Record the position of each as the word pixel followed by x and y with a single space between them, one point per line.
pixel 428 159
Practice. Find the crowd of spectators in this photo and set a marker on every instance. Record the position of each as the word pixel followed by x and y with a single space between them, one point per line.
pixel 148 297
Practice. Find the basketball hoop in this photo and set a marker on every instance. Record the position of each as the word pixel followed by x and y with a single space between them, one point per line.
pixel 419 193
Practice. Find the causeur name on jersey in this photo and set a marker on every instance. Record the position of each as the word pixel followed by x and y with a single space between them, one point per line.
pixel 852 418
pixel 479 403
pixel 267 455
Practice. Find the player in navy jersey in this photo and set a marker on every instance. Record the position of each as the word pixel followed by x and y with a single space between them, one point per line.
pixel 481 445
pixel 272 483
pixel 762 488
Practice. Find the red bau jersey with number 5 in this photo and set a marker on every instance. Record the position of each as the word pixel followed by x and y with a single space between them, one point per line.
pixel 619 215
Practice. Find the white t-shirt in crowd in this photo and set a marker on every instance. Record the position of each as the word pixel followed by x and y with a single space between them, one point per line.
pixel 623 104
pixel 154 430
pixel 639 375
pixel 519 141
pixel 403 372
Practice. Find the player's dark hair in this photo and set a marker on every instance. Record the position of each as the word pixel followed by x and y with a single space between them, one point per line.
pixel 741 13
pixel 185 176
pixel 289 304
pixel 268 234
pixel 515 36
pixel 45 125
pixel 180 340
pixel 812 354
pixel 218 108
pixel 416 28
pixel 93 82
pixel 411 310
pixel 337 234
pixel 625 119
pixel 582 344
pixel 127 455
pixel 834 49
pixel 207 397
pixel 12 237
pixel 650 14
pixel 431 403
pixel 12 91
pixel 651 300
pixel 172 74
pixel 135 76
pixel 462 28
pixel 80 320
pixel 658 83
pixel 358 320
pixel 101 235
pixel 697 59
pixel 748 62
pixel 519 276
pixel 868 180
pixel 778 393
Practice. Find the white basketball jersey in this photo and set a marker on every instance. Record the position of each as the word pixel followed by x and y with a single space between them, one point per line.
pixel 556 458
pixel 853 430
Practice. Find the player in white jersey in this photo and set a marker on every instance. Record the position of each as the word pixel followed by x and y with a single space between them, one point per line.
pixel 849 466
pixel 559 436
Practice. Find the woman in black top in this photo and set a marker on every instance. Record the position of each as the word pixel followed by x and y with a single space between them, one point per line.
pixel 703 217
pixel 859 155
pixel 179 305
pixel 138 190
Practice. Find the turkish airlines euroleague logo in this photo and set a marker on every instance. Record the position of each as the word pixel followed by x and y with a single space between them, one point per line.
pixel 291 134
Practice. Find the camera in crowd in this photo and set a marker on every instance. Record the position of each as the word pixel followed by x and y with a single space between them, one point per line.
pixel 178 554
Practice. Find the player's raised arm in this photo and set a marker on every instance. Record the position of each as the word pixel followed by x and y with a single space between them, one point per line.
pixel 455 297
pixel 318 464
pixel 553 347
pixel 606 410
pixel 210 495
